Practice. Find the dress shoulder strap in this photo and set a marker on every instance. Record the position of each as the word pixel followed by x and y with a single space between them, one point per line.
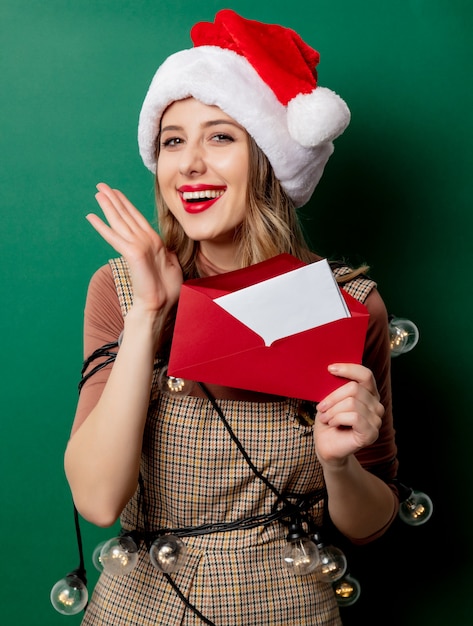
pixel 359 287
pixel 122 280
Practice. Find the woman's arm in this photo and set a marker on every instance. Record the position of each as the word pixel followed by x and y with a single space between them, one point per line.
pixel 354 433
pixel 103 455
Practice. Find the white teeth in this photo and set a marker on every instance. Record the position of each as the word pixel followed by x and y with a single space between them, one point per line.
pixel 202 195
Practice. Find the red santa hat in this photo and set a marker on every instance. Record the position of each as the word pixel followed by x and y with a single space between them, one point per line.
pixel 264 76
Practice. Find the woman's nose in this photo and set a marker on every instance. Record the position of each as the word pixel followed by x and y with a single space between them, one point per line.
pixel 192 160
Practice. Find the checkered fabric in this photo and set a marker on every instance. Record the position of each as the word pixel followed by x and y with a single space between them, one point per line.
pixel 194 474
pixel 359 287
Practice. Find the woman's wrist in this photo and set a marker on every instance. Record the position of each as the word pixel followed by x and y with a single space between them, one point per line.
pixel 336 466
pixel 145 325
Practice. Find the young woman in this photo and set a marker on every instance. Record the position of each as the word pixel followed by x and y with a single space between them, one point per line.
pixel 224 473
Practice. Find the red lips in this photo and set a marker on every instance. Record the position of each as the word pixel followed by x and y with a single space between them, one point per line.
pixel 198 205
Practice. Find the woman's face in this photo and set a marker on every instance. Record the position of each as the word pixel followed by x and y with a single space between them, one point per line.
pixel 202 171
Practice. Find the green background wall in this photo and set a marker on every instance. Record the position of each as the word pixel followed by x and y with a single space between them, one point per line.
pixel 397 194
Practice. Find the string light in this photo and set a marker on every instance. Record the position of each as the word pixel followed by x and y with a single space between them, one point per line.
pixel 333 562
pixel 96 560
pixel 168 553
pixel 347 590
pixel 69 595
pixel 119 555
pixel 300 555
pixel 173 385
pixel 404 335
pixel 416 509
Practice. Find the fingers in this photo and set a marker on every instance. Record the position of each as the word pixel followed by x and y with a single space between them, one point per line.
pixel 120 203
pixel 351 409
pixel 128 231
pixel 350 423
pixel 138 217
pixel 350 417
pixel 359 396
pixel 104 230
pixel 119 211
pixel 355 372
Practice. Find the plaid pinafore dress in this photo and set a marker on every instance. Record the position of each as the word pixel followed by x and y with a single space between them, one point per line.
pixel 194 474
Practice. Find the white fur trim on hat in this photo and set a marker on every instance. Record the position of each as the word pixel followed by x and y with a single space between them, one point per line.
pixel 221 77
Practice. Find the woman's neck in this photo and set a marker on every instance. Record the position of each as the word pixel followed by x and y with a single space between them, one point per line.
pixel 217 260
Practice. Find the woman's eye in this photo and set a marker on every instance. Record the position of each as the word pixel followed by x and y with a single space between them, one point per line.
pixel 222 138
pixel 171 142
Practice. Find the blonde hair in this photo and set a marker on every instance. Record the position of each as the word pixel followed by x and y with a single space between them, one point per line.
pixel 270 227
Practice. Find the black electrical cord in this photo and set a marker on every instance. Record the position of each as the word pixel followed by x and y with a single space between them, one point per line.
pixel 144 510
pixel 289 509
pixel 103 351
pixel 81 569
pixel 280 496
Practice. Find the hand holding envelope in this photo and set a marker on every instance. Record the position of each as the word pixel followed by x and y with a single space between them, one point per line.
pixel 273 327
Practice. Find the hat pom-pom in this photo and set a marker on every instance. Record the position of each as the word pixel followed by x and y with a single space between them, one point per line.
pixel 318 117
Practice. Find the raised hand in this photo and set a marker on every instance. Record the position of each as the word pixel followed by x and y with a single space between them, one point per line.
pixel 350 417
pixel 155 272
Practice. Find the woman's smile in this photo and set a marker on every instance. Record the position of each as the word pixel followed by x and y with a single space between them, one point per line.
pixel 199 198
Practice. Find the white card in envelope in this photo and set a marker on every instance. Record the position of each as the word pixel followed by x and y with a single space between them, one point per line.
pixel 287 304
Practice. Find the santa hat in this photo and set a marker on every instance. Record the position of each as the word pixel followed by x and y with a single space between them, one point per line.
pixel 264 76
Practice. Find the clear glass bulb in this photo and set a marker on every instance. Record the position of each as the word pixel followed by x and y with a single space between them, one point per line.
pixel 69 595
pixel 404 335
pixel 168 553
pixel 119 556
pixel 347 590
pixel 172 385
pixel 417 509
pixel 96 559
pixel 301 556
pixel 333 564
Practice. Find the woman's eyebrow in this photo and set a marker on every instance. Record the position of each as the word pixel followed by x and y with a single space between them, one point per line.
pixel 218 122
pixel 171 127
pixel 208 124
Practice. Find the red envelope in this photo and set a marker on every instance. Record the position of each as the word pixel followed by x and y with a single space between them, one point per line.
pixel 212 346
